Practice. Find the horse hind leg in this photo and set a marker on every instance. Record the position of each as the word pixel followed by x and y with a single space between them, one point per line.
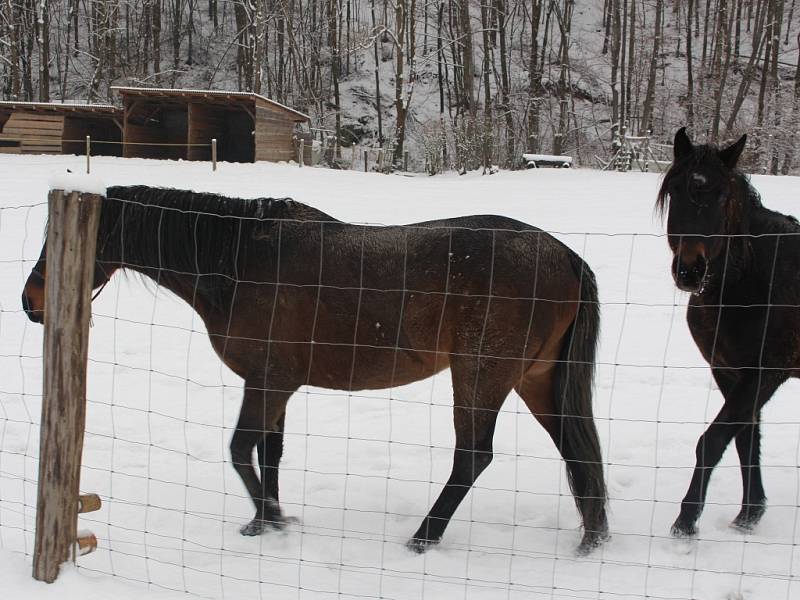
pixel 260 424
pixel 474 418
pixel 582 458
pixel 270 451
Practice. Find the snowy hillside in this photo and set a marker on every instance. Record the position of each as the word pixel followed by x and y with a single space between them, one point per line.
pixel 478 82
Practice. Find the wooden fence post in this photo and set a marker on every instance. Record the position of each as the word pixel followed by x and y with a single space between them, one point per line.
pixel 88 153
pixel 213 154
pixel 366 160
pixel 71 241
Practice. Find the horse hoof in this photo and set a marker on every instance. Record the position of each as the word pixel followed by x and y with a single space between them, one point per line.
pixel 259 526
pixel 254 527
pixel 592 540
pixel 748 518
pixel 419 545
pixel 683 530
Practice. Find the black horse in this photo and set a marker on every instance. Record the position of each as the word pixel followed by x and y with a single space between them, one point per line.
pixel 740 262
pixel 292 297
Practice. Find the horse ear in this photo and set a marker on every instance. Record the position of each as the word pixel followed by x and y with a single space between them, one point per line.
pixel 682 144
pixel 730 155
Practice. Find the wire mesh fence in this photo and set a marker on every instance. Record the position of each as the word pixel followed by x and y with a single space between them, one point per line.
pixel 361 467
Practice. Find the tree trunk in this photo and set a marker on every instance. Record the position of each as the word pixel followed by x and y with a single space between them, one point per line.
pixel 486 142
pixel 333 41
pixel 534 79
pixel 505 84
pixel 649 96
pixel 726 24
pixel 156 34
pixel 378 108
pixel 791 147
pixel 616 33
pixel 468 82
pixel 629 79
pixel 565 26
pixel 749 71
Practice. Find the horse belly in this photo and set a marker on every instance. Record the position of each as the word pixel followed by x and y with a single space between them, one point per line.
pixel 364 368
pixel 737 339
pixel 376 339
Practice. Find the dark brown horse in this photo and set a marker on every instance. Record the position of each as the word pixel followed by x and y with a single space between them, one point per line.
pixel 740 262
pixel 292 297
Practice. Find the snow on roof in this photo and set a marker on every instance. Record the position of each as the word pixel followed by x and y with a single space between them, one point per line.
pixel 178 92
pixel 66 105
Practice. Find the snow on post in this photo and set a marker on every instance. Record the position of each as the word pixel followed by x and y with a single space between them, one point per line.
pixel 77 182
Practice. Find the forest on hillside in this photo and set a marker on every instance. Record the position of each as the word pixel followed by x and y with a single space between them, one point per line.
pixel 464 82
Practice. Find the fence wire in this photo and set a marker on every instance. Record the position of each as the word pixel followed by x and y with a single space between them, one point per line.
pixel 361 468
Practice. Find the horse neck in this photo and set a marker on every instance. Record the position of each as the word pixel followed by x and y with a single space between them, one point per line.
pixel 195 245
pixel 735 262
pixel 186 268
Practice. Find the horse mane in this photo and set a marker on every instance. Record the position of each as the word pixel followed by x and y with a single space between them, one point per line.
pixel 170 234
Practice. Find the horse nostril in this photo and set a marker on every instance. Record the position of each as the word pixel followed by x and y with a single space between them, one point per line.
pixel 26 303
pixel 701 265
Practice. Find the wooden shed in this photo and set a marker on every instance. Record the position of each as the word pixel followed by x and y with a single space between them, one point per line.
pixel 247 127
pixel 59 128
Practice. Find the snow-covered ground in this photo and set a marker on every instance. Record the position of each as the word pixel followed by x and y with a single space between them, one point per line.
pixel 360 470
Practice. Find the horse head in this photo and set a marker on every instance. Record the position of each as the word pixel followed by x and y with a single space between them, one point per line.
pixel 34 291
pixel 701 196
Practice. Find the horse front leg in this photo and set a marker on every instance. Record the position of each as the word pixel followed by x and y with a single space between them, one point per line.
pixel 260 423
pixel 742 404
pixel 754 500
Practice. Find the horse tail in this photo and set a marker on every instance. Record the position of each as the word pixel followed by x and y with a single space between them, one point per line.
pixel 574 379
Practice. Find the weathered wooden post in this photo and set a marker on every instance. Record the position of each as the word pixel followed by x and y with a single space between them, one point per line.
pixel 71 240
pixel 88 153
pixel 213 154
pixel 300 151
pixel 366 160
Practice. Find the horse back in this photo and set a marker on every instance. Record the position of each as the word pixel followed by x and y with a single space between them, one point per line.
pixel 370 307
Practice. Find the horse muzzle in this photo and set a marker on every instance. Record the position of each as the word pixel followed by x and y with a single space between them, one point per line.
pixel 34 314
pixel 692 277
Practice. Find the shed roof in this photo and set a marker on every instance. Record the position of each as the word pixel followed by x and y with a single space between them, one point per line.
pixel 63 107
pixel 217 96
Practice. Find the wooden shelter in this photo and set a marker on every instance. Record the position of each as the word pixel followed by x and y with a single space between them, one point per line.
pixel 59 128
pixel 247 127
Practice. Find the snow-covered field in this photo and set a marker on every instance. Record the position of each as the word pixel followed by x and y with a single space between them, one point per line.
pixel 360 470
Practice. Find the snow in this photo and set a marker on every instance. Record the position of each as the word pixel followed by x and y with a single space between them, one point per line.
pixel 360 470
pixel 77 182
